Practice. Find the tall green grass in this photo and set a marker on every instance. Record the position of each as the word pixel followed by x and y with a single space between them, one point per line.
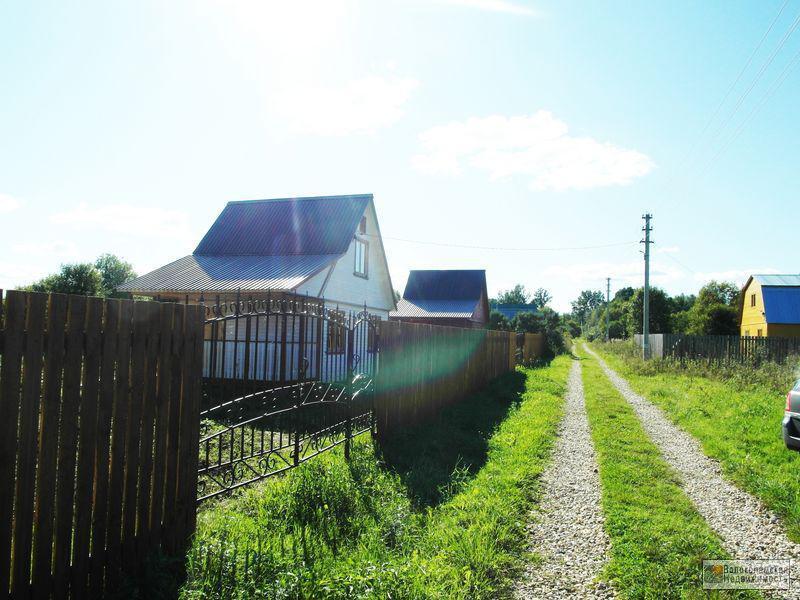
pixel 736 423
pixel 437 513
pixel 658 539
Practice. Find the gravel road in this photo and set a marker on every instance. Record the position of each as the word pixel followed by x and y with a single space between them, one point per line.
pixel 748 530
pixel 567 529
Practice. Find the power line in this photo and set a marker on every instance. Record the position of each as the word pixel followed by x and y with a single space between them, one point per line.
pixel 679 263
pixel 770 92
pixel 506 249
pixel 734 84
pixel 759 75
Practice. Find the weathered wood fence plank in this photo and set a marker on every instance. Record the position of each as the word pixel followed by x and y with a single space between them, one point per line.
pixel 424 368
pixel 87 387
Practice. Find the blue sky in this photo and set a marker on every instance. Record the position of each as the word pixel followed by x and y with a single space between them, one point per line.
pixel 126 126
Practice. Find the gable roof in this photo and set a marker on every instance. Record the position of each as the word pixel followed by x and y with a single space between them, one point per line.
pixel 442 294
pixel 197 273
pixel 285 226
pixel 781 304
pixel 263 244
pixel 778 280
pixel 509 311
pixel 435 309
pixel 445 285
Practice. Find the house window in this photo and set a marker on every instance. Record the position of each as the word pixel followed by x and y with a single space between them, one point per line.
pixel 746 333
pixel 760 333
pixel 752 299
pixel 336 333
pixel 360 268
pixel 362 226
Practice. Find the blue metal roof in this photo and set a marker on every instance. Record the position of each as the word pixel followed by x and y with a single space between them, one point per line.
pixel 445 285
pixel 509 311
pixel 782 304
pixel 196 273
pixel 285 226
pixel 778 280
pixel 435 309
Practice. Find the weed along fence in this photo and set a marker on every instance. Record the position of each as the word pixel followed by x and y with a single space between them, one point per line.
pixel 99 425
pixel 721 348
pixel 426 367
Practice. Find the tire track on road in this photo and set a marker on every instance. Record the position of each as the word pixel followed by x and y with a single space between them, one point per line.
pixel 748 530
pixel 567 528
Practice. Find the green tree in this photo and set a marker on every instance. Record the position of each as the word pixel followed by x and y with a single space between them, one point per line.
pixel 660 311
pixel 546 322
pixel 114 272
pixel 541 297
pixel 588 301
pixel 716 310
pixel 80 278
pixel 517 295
pixel 623 294
pixel 498 321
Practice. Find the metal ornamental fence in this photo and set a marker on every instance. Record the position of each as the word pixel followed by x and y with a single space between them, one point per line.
pixel 285 378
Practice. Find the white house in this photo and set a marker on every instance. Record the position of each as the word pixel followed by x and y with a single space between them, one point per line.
pixel 327 247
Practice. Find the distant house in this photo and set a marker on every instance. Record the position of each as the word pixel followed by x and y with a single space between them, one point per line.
pixel 456 298
pixel 770 306
pixel 509 311
pixel 325 247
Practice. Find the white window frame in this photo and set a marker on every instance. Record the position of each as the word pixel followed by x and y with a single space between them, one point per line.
pixel 361 259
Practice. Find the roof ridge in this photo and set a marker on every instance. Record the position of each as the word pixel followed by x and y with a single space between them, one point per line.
pixel 303 198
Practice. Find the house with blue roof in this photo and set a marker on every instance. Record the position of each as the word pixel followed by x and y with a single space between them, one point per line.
pixel 770 306
pixel 453 297
pixel 509 311
pixel 327 247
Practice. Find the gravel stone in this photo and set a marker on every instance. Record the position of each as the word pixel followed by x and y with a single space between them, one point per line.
pixel 567 529
pixel 748 530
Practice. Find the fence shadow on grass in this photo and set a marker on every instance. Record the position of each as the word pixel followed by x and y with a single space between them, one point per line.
pixel 436 458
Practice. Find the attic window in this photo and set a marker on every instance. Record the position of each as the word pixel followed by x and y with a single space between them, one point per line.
pixel 752 299
pixel 361 251
pixel 362 226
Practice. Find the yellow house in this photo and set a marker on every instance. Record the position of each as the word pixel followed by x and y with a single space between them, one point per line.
pixel 770 306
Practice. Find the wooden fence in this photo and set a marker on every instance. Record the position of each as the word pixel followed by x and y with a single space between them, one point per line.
pixel 99 426
pixel 530 346
pixel 426 367
pixel 721 348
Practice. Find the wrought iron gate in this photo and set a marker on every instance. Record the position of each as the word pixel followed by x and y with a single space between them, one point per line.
pixel 284 379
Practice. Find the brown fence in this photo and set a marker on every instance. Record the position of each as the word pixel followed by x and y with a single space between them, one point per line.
pixel 99 425
pixel 721 348
pixel 426 367
pixel 531 346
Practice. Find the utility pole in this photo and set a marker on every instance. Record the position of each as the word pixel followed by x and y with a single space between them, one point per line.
pixel 608 308
pixel 646 308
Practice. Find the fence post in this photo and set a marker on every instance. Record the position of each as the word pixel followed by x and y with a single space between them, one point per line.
pixel 348 427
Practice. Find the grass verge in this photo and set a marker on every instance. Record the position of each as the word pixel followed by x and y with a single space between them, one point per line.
pixel 739 425
pixel 658 539
pixel 440 515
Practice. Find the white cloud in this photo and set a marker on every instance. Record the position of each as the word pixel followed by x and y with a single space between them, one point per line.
pixel 503 6
pixel 361 106
pixel 8 203
pixel 738 276
pixel 125 218
pixel 536 146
